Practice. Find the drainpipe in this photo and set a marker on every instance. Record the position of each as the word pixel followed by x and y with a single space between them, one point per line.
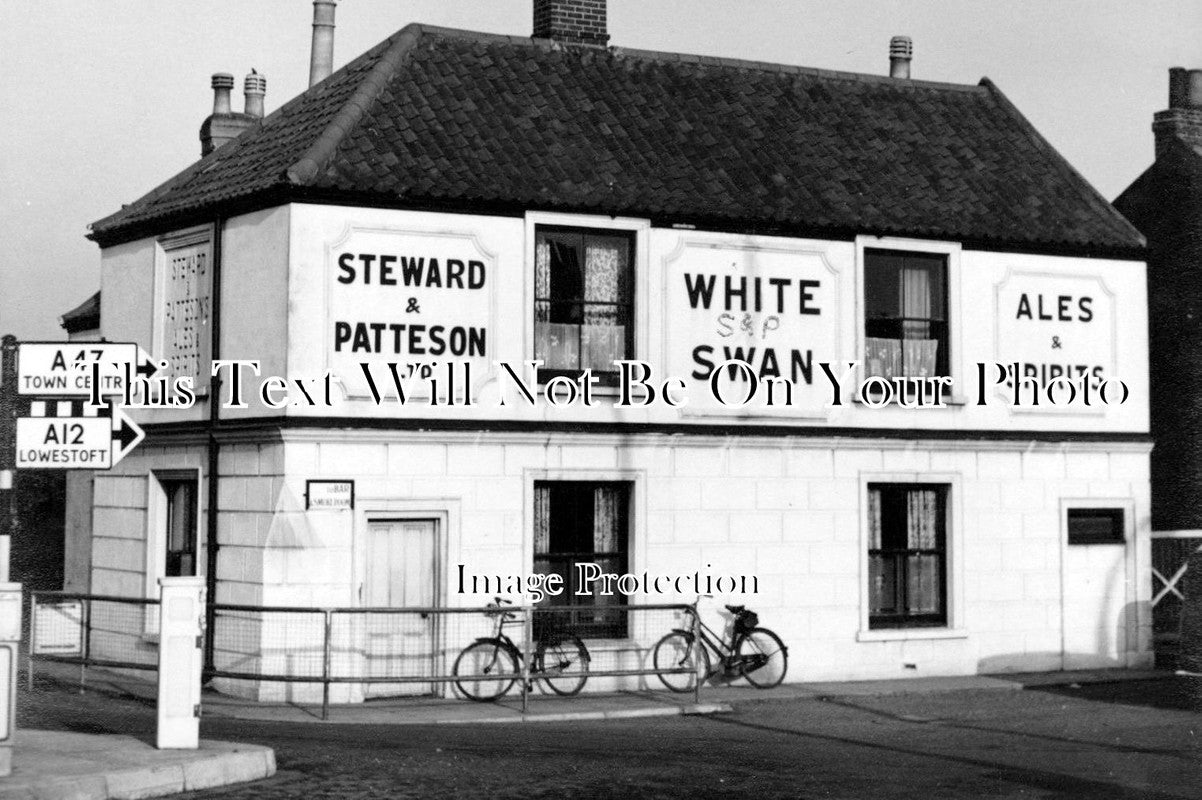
pixel 211 545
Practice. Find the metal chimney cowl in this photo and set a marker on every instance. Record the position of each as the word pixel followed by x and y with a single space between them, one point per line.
pixel 901 52
pixel 225 124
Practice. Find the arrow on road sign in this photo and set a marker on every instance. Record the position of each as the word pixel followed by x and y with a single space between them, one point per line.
pixel 126 433
pixel 87 442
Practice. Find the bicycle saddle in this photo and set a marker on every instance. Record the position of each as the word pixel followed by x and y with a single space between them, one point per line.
pixel 735 609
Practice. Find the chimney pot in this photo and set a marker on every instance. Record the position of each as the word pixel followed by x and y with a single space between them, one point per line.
pixel 223 124
pixel 321 55
pixel 1185 88
pixel 254 89
pixel 223 84
pixel 901 51
pixel 1181 122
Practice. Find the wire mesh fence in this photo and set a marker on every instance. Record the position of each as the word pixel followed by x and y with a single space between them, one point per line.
pixel 347 655
pixel 93 630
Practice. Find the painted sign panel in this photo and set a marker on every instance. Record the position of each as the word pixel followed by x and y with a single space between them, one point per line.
pixel 410 298
pixel 772 306
pixel 58 628
pixel 325 494
pixel 1053 326
pixel 185 306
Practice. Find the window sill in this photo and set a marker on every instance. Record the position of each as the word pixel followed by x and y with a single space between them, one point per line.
pixel 949 401
pixel 909 634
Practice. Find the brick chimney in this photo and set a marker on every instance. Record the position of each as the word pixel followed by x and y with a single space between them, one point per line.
pixel 571 21
pixel 1182 120
pixel 225 124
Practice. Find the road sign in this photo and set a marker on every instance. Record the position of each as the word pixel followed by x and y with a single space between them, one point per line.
pixel 58 369
pixel 75 442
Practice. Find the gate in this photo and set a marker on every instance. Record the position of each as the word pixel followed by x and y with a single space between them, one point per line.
pixel 1170 556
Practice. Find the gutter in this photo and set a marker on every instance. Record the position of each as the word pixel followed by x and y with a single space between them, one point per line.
pixel 214 455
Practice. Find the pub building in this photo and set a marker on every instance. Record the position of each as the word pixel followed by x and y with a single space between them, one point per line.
pixel 463 198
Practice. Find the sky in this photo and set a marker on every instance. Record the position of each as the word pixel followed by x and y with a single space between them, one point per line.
pixel 103 99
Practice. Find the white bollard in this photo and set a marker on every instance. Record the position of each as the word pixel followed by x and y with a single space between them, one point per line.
pixel 181 648
pixel 10 641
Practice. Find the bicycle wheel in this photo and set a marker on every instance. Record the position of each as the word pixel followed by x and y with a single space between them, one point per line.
pixel 562 662
pixel 488 668
pixel 764 657
pixel 679 650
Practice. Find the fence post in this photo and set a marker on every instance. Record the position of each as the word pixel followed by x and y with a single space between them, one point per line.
pixel 697 645
pixel 33 603
pixel 528 628
pixel 325 668
pixel 87 642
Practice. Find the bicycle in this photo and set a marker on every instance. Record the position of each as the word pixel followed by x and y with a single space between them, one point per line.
pixel 492 665
pixel 751 652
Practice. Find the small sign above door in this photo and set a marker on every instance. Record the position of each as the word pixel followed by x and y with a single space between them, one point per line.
pixel 334 495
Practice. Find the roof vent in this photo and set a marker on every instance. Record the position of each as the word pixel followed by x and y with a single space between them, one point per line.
pixel 572 21
pixel 223 84
pixel 321 55
pixel 254 89
pixel 901 51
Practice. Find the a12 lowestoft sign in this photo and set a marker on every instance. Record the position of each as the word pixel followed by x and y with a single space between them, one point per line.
pixel 71 433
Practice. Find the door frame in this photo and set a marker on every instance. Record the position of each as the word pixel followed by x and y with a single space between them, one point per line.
pixel 445 515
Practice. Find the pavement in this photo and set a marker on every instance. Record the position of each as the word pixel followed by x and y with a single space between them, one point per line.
pixel 553 708
pixel 49 765
pixel 52 765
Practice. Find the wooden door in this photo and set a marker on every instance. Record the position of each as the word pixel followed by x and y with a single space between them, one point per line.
pixel 402 572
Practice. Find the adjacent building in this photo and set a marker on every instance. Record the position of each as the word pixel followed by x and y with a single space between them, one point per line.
pixel 1165 203
pixel 452 196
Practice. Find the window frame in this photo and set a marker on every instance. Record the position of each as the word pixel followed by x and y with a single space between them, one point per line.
pixel 904 619
pixel 951 252
pixel 953 582
pixel 157 513
pixel 640 230
pixel 635 530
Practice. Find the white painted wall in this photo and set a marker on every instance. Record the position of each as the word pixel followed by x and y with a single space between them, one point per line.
pixel 1019 598
pixel 979 329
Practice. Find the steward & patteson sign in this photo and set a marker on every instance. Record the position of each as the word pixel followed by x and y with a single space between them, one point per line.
pixel 407 297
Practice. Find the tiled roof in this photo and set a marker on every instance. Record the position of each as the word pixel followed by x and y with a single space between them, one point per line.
pixel 84 317
pixel 451 119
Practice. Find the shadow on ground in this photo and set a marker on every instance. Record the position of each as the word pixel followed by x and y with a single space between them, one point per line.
pixel 1176 693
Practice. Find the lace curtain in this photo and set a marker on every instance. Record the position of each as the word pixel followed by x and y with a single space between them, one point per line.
pixel 923 589
pixel 542 520
pixel 575 328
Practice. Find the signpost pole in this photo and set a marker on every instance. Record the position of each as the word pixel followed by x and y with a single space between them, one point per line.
pixel 8 455
pixel 10 593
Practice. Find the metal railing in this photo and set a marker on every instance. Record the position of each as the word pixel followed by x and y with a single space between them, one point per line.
pixel 340 655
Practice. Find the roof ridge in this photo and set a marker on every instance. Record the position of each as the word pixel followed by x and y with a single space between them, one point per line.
pixel 317 154
pixel 1061 163
pixel 691 58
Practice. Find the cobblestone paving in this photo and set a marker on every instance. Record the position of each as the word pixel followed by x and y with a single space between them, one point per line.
pixel 1136 740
